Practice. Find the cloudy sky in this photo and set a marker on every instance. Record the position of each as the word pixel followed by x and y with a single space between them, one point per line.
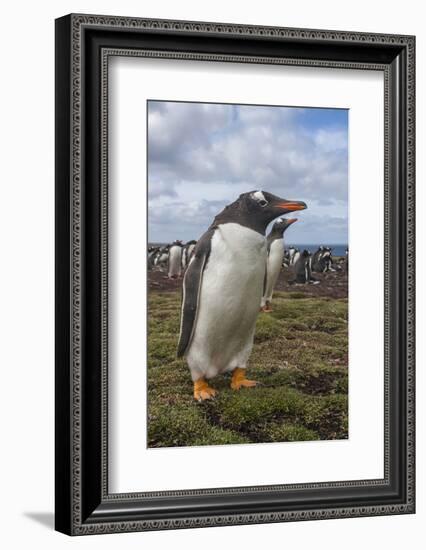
pixel 201 156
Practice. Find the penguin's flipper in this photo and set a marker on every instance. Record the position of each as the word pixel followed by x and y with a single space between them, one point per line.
pixel 265 279
pixel 191 290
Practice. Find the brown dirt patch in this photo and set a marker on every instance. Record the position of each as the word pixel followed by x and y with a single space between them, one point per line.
pixel 332 285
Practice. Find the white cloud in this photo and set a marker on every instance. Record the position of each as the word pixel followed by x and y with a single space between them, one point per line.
pixel 331 140
pixel 202 156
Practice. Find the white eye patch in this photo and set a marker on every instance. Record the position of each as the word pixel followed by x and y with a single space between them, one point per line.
pixel 259 196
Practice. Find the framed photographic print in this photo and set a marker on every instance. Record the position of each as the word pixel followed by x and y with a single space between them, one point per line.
pixel 234 274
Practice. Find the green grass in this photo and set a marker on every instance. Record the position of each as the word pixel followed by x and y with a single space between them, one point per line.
pixel 299 359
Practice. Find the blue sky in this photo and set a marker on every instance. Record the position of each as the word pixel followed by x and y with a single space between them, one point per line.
pixel 201 156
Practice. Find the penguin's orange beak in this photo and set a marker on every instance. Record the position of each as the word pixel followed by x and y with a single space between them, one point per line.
pixel 291 220
pixel 291 206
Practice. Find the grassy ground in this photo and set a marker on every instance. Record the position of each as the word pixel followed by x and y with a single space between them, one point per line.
pixel 299 359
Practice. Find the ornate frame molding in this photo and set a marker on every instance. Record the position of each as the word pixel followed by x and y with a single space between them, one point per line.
pixel 73 517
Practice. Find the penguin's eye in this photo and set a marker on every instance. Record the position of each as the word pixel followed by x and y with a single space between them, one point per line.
pixel 263 203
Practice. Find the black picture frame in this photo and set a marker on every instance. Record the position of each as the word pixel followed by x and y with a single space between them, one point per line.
pixel 83 44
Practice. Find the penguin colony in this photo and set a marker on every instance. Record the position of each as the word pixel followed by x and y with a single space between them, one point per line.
pixel 172 258
pixel 228 277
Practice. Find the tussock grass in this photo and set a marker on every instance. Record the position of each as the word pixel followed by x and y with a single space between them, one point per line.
pixel 299 359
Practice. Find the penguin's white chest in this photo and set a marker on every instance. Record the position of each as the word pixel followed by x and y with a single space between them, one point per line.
pixel 162 258
pixel 175 259
pixel 275 258
pixel 296 257
pixel 229 300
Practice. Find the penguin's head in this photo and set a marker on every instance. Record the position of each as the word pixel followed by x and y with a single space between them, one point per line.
pixel 267 205
pixel 256 209
pixel 283 223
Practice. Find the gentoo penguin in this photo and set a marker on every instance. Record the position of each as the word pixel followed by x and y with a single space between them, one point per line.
pixel 152 251
pixel 175 260
pixel 161 257
pixel 327 260
pixel 187 252
pixel 190 249
pixel 275 251
pixel 303 269
pixel 286 259
pixel 316 259
pixel 222 289
pixel 291 252
pixel 322 260
pixel 296 256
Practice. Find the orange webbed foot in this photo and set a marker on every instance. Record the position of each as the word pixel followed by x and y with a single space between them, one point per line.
pixel 239 380
pixel 202 391
pixel 266 308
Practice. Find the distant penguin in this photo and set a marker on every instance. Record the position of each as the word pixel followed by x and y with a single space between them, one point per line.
pixel 322 260
pixel 296 256
pixel 152 251
pixel 190 249
pixel 291 253
pixel 327 260
pixel 161 257
pixel 303 269
pixel 316 266
pixel 222 289
pixel 187 252
pixel 347 261
pixel 275 251
pixel 286 259
pixel 175 260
